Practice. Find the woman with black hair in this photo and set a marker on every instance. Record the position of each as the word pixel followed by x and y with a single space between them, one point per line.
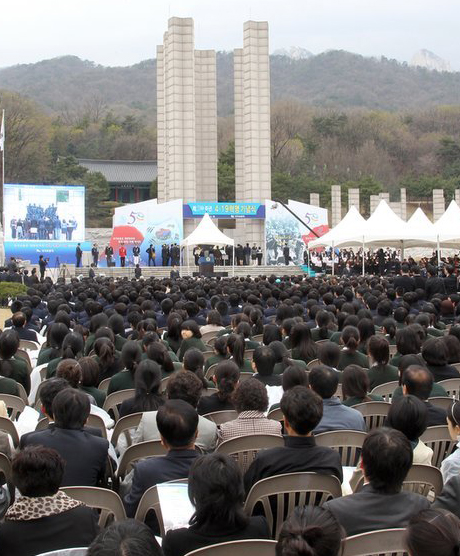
pixel 131 355
pixel 433 531
pixel 322 332
pixel 379 355
pixel 244 329
pixel 158 352
pixel 303 346
pixel 215 488
pixel 389 329
pixel 256 319
pixel 117 325
pixel 236 347
pixel 226 380
pixel 147 397
pixel 310 531
pixel 72 348
pixel 191 338
pixel 450 467
pixel 108 358
pixel 434 352
pixel 407 342
pixel 10 366
pixel 173 334
pixel 355 387
pixel 409 415
pixel 54 338
pixel 283 361
pixel 366 330
pixel 194 362
pixel 220 350
pixel 90 379
pixel 272 333
pixel 97 321
pixel 350 354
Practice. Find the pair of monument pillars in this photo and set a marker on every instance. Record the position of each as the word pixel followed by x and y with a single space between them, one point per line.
pixel 187 121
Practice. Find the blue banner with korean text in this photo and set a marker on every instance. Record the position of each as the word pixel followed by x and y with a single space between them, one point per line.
pixel 224 210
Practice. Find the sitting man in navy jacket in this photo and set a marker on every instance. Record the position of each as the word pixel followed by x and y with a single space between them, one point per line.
pixel 177 423
pixel 302 411
pixel 85 454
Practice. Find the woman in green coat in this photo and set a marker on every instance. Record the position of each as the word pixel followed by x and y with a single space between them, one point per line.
pixel 350 354
pixel 355 387
pixel 191 338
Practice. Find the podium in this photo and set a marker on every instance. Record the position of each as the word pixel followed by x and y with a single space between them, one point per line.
pixel 206 268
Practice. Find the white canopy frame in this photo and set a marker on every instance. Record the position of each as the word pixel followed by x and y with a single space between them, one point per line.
pixel 207 233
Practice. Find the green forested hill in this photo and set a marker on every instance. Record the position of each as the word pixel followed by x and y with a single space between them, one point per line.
pixel 334 79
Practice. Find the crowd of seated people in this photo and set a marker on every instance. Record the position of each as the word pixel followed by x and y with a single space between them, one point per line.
pixel 290 358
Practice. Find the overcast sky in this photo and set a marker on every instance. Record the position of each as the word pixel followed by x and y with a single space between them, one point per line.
pixel 123 32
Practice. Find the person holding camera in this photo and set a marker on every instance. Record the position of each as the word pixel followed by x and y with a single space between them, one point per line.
pixel 42 263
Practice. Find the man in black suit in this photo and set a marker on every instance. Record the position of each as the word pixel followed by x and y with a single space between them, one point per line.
pixel 418 382
pixel 78 254
pixel 19 322
pixel 177 423
pixel 263 364
pixel 286 254
pixel 434 283
pixel 302 411
pixel 381 504
pixel 85 454
pixel 404 281
pixel 450 281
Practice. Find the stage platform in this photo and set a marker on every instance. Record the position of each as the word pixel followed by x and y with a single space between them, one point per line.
pixel 163 271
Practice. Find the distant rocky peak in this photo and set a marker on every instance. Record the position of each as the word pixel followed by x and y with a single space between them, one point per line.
pixel 429 60
pixel 294 52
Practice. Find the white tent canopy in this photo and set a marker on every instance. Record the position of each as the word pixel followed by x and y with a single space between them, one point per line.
pixel 421 230
pixel 351 225
pixel 207 233
pixel 385 228
pixel 448 226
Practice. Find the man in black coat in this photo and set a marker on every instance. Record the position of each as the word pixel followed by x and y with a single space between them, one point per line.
pixel 177 423
pixel 302 410
pixel 404 281
pixel 286 254
pixel 85 454
pixel 380 504
pixel 434 283
pixel 95 254
pixel 78 255
pixel 450 281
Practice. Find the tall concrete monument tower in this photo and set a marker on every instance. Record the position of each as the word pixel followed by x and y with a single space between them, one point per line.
pixel 252 126
pixel 186 117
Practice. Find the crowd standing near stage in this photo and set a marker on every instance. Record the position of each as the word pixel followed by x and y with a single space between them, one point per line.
pixel 42 224
pixel 290 359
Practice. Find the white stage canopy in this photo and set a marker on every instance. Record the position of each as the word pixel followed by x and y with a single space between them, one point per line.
pixel 207 233
pixel 421 230
pixel 448 227
pixel 351 225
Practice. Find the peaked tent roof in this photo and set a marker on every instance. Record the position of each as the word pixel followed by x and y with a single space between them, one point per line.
pixel 207 233
pixel 385 227
pixel 448 226
pixel 421 230
pixel 348 228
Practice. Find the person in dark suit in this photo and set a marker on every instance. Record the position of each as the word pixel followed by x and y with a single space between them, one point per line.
pixel 286 254
pixel 216 491
pixel 404 281
pixel 78 254
pixel 381 504
pixel 95 254
pixel 417 381
pixel 434 284
pixel 18 321
pixel 123 538
pixel 263 364
pixel 450 281
pixel 177 423
pixel 85 454
pixel 449 499
pixel 44 519
pixel 302 411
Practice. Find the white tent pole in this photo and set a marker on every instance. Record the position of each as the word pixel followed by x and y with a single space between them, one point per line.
pixel 308 259
pixel 437 249
pixel 333 265
pixel 363 259
pixel 233 260
pixel 188 262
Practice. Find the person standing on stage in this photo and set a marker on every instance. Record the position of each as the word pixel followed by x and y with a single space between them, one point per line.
pixel 109 254
pixel 151 253
pixel 165 255
pixel 286 254
pixel 122 254
pixel 95 254
pixel 42 263
pixel 136 253
pixel 259 256
pixel 78 255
